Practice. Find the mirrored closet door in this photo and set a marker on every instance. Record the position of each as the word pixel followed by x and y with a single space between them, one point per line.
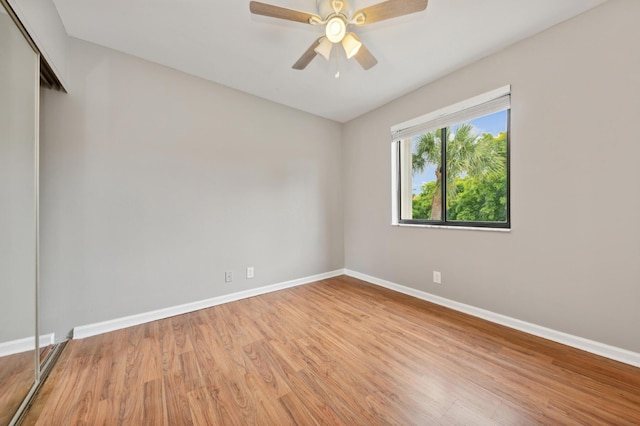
pixel 19 89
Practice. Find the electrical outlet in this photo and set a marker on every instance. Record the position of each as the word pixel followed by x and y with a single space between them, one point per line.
pixel 437 277
pixel 228 277
pixel 250 272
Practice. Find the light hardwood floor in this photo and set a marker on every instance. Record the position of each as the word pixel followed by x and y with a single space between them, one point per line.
pixel 338 351
pixel 17 374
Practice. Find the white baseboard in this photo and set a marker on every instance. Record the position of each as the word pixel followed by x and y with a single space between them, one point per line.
pixel 612 352
pixel 23 345
pixel 116 324
pixel 608 351
pixel 47 339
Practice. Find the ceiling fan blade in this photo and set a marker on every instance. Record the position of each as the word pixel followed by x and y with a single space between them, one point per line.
pixel 390 9
pixel 307 56
pixel 364 57
pixel 281 13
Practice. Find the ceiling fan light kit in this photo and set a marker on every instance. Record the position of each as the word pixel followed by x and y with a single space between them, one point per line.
pixel 332 15
pixel 351 45
pixel 324 48
pixel 336 29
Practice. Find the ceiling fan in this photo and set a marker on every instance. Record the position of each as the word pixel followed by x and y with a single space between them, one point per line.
pixel 336 18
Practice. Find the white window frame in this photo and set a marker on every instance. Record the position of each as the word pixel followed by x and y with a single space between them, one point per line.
pixel 484 104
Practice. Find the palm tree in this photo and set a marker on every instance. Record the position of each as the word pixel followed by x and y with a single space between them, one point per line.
pixel 467 155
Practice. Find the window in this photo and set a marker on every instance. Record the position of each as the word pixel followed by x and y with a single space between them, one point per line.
pixel 451 167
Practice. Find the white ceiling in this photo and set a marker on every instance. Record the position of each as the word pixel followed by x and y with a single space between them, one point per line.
pixel 222 42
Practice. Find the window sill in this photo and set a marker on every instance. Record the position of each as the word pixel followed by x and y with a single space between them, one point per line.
pixel 467 228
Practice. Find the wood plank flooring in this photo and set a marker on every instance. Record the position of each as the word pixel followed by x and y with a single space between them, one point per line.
pixel 336 352
pixel 17 374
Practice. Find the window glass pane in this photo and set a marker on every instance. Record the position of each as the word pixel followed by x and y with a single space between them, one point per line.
pixel 426 193
pixel 477 169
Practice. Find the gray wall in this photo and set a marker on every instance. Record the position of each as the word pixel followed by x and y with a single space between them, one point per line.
pixel 572 259
pixel 153 183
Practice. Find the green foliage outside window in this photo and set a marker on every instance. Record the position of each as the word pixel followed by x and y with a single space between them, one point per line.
pixel 476 177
